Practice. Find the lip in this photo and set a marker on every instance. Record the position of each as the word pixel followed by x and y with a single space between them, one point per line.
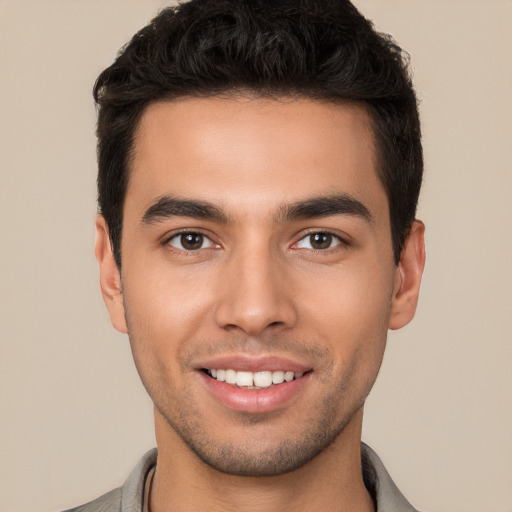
pixel 254 401
pixel 248 363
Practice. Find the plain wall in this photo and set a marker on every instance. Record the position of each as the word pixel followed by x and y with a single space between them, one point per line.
pixel 74 417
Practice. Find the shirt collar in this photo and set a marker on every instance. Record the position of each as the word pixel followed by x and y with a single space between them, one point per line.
pixel 386 494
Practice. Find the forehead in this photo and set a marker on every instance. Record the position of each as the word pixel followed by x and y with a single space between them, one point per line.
pixel 249 153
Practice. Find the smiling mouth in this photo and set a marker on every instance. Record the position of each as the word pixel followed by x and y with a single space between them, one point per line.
pixel 253 380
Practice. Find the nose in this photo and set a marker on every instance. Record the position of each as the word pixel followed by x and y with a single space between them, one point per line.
pixel 255 293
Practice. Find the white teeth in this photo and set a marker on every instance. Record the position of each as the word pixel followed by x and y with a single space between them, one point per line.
pixel 263 379
pixel 245 379
pixel 254 380
pixel 231 376
pixel 277 377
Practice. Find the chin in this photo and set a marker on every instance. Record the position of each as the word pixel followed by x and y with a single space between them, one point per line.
pixel 257 457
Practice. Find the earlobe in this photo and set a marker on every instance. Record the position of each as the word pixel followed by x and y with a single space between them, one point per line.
pixel 110 277
pixel 408 277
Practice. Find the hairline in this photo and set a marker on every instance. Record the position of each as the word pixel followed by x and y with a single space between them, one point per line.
pixel 249 93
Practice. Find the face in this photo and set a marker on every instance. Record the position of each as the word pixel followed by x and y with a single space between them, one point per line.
pixel 257 279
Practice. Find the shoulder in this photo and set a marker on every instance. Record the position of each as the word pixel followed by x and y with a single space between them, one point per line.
pixel 129 497
pixel 386 494
pixel 110 502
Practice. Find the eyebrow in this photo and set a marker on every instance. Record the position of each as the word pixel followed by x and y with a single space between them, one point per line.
pixel 321 206
pixel 325 206
pixel 168 206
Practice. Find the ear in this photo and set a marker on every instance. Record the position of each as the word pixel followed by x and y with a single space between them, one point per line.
pixel 408 277
pixel 110 277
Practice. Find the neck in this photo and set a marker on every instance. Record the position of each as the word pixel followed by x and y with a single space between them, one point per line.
pixel 331 481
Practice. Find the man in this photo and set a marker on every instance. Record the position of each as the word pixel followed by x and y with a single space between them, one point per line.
pixel 259 169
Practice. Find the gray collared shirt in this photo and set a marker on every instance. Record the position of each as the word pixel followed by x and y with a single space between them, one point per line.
pixel 130 497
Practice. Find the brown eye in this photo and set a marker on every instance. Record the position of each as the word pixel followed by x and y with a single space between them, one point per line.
pixel 190 241
pixel 319 241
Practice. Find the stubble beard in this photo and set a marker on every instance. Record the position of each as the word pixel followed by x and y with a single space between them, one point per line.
pixel 251 458
pixel 325 421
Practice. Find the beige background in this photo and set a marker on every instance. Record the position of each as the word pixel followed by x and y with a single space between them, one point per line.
pixel 73 416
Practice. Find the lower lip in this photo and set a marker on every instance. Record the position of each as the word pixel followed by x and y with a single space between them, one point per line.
pixel 255 400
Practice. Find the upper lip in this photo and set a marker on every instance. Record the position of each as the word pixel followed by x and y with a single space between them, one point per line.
pixel 250 363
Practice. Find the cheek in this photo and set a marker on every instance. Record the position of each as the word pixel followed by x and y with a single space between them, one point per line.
pixel 163 301
pixel 350 310
pixel 156 327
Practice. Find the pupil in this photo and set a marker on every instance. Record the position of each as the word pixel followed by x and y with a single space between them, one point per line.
pixel 321 240
pixel 192 241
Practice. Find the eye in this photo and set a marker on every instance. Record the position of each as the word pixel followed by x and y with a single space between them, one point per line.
pixel 190 241
pixel 319 241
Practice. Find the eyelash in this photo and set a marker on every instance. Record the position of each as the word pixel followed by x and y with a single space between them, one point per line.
pixel 340 241
pixel 179 234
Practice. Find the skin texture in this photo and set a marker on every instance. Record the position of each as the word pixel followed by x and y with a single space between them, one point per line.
pixel 257 287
